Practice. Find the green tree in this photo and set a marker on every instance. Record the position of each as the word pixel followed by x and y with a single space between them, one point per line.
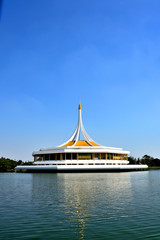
pixel 7 164
pixel 146 159
pixel 132 160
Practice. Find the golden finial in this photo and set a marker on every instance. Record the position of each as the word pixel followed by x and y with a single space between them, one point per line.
pixel 79 107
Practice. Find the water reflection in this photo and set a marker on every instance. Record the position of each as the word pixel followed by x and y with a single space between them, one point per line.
pixel 79 199
pixel 80 206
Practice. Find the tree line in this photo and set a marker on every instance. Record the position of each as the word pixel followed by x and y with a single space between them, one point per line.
pixel 146 159
pixel 8 165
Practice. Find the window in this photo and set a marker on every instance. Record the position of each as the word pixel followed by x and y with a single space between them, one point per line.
pixel 52 156
pixel 58 156
pixel 103 156
pixel 68 156
pixel 62 156
pixel 84 155
pixel 39 157
pixel 96 156
pixel 46 157
pixel 74 156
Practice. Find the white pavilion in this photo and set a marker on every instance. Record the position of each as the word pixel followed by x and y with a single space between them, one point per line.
pixel 80 155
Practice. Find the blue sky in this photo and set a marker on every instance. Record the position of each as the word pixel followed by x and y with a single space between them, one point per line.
pixel 107 53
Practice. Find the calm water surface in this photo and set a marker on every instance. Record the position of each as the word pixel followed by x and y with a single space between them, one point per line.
pixel 80 206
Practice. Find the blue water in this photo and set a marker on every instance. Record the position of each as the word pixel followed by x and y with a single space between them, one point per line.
pixel 80 206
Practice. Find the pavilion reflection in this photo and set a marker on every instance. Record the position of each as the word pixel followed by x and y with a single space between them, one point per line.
pixel 83 197
pixel 86 195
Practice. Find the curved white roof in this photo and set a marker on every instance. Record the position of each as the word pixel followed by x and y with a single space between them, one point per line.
pixel 74 144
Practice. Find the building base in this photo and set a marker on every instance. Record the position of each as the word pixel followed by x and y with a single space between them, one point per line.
pixel 81 168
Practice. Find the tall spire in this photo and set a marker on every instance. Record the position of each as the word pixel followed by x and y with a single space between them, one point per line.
pixel 79 129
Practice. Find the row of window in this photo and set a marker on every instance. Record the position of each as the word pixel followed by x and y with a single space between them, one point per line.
pixel 80 156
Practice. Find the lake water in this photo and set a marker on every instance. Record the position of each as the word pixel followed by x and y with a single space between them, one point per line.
pixel 80 206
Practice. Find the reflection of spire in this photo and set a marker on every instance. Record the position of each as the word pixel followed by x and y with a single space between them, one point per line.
pixel 80 129
pixel 81 228
pixel 78 202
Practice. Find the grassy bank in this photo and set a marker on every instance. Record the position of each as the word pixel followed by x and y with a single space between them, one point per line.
pixel 153 168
